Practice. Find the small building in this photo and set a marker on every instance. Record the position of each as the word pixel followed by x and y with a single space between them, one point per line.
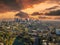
pixel 57 31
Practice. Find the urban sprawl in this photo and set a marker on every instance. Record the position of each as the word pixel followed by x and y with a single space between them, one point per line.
pixel 29 32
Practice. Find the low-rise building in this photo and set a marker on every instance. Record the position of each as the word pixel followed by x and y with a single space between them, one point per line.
pixel 57 31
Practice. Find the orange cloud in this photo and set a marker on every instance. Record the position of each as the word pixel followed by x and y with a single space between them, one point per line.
pixel 8 15
pixel 10 7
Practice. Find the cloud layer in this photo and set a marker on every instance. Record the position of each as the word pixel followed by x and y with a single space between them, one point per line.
pixel 22 15
pixel 36 13
pixel 16 5
pixel 54 7
pixel 53 13
pixel 9 5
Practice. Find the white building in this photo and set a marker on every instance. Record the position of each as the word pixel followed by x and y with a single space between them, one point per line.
pixel 58 31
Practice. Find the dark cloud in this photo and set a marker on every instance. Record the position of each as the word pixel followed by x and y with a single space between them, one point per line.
pixel 52 8
pixel 9 5
pixel 36 13
pixel 22 15
pixel 36 1
pixel 53 13
pixel 16 5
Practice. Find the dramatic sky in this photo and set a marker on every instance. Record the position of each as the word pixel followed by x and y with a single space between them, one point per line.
pixel 36 9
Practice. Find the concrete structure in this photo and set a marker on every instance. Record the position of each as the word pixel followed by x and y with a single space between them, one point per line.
pixel 58 31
